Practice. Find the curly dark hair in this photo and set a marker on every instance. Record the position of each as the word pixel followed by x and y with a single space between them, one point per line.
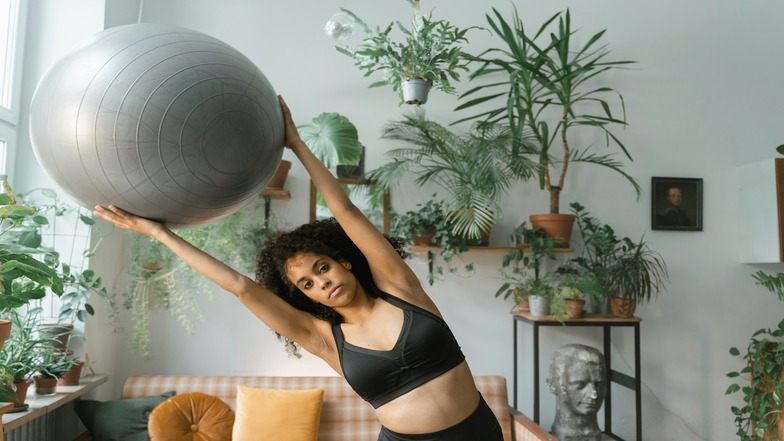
pixel 325 237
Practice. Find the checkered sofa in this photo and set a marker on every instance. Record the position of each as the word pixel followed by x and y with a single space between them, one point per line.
pixel 344 416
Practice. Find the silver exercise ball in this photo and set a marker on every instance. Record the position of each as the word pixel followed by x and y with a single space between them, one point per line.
pixel 164 122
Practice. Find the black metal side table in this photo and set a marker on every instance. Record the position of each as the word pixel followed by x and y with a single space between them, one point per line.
pixel 606 322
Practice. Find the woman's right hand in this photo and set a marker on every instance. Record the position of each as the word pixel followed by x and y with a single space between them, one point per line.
pixel 292 134
pixel 122 219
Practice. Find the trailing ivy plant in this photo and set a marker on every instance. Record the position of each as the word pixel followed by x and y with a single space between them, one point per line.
pixel 160 280
pixel 763 407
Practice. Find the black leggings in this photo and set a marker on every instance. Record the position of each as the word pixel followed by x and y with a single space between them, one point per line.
pixel 482 425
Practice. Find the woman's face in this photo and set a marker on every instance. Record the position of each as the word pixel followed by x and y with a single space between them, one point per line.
pixel 322 279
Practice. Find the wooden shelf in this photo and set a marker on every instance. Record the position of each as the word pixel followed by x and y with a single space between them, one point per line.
pixel 275 193
pixel 587 318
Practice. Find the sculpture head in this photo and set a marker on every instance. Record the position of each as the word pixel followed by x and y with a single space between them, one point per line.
pixel 578 378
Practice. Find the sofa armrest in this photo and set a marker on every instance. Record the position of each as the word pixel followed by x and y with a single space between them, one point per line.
pixel 525 429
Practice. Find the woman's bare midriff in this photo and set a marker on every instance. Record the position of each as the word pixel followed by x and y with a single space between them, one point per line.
pixel 436 405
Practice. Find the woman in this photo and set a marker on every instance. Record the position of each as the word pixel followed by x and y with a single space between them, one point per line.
pixel 378 328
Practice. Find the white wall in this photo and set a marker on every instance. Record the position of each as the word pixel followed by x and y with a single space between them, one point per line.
pixel 704 98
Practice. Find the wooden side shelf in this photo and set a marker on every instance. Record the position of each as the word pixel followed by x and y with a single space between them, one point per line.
pixel 275 193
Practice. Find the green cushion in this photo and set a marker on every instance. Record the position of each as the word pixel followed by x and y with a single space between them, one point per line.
pixel 119 420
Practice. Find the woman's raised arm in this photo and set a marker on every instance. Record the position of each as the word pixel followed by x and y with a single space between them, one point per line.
pixel 388 268
pixel 263 303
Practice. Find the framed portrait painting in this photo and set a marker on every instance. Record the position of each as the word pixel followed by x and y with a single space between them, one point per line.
pixel 676 204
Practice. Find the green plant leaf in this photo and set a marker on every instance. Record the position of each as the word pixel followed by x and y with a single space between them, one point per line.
pixel 333 139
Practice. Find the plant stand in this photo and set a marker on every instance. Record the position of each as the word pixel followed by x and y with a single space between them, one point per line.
pixel 607 323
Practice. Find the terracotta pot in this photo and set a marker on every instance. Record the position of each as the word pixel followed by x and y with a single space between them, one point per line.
pixel 574 307
pixel 21 394
pixel 557 226
pixel 622 307
pixel 45 386
pixel 425 239
pixel 71 378
pixel 5 331
pixel 415 90
pixel 279 178
pixel 522 304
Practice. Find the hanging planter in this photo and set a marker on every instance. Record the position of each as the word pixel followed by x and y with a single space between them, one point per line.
pixel 415 90
pixel 429 50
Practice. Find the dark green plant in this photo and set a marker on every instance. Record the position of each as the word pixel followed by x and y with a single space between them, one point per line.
pixel 763 407
pixel 333 139
pixel 625 268
pixel 472 168
pixel 428 217
pixel 549 88
pixel 429 50
pixel 7 389
pixel 523 272
pixel 20 352
pixel 26 269
pixel 53 363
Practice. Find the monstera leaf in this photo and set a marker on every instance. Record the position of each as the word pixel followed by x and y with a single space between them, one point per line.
pixel 333 139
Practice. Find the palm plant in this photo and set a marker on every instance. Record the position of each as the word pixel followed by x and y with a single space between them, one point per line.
pixel 472 168
pixel 546 94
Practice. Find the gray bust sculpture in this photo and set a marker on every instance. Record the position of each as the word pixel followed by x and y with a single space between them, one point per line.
pixel 578 378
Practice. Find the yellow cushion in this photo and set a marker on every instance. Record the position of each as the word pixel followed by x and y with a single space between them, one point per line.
pixel 191 416
pixel 277 414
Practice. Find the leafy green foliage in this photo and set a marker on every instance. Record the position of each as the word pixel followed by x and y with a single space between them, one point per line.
pixel 160 280
pixel 472 168
pixel 23 277
pixel 622 266
pixel 429 217
pixel 429 50
pixel 333 139
pixel 764 366
pixel 20 352
pixel 523 272
pixel 549 91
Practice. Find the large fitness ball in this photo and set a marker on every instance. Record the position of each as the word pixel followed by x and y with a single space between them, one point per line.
pixel 164 122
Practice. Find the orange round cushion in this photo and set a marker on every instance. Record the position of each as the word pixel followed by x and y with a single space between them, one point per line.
pixel 191 416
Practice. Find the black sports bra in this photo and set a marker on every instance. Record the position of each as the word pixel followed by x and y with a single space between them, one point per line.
pixel 425 349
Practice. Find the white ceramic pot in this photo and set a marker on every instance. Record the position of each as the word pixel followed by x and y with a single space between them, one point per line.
pixel 540 306
pixel 415 90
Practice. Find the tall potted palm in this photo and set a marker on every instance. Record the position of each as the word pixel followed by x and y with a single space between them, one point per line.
pixel 550 91
pixel 428 55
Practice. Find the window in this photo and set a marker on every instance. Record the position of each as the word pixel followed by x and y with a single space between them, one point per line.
pixel 13 15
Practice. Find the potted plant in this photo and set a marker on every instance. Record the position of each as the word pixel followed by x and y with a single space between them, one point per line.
pixel 472 168
pixel 553 90
pixel 428 55
pixel 19 354
pixel 50 365
pixel 762 415
pixel 420 225
pixel 630 272
pixel 575 287
pixel 524 273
